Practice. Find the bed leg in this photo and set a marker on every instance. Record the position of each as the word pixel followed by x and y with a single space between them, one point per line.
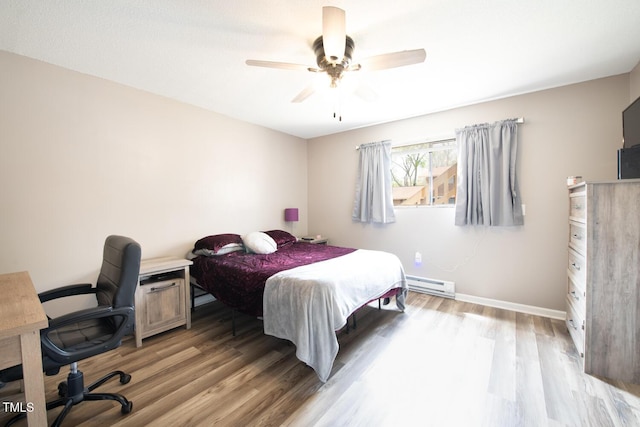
pixel 347 328
pixel 379 304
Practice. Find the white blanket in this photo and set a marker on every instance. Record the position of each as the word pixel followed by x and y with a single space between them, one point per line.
pixel 307 304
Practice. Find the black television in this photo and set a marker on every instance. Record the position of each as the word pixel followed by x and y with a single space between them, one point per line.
pixel 631 125
pixel 629 154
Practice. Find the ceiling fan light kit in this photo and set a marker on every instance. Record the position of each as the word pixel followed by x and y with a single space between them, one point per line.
pixel 334 32
pixel 334 53
pixel 333 67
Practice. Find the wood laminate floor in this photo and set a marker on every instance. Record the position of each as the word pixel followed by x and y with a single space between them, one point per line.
pixel 440 363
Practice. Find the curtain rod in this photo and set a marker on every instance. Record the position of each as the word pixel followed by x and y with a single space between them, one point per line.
pixel 519 121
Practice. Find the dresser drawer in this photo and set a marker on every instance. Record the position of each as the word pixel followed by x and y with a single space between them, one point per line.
pixel 577 295
pixel 577 267
pixel 575 325
pixel 578 237
pixel 578 207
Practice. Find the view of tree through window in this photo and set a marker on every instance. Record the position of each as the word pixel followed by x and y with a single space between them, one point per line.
pixel 424 173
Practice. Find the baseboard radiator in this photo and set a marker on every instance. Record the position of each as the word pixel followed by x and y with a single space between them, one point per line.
pixel 441 288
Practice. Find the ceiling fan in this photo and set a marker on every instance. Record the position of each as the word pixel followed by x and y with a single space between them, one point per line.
pixel 334 51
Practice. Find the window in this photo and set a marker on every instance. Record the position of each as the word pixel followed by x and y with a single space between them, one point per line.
pixel 424 173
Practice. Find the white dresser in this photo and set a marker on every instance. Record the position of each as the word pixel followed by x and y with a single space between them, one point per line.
pixel 603 285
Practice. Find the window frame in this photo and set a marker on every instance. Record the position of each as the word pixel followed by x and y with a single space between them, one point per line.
pixel 446 138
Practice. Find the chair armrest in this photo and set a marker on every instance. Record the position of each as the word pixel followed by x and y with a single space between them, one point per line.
pixel 80 315
pixel 66 291
pixel 65 357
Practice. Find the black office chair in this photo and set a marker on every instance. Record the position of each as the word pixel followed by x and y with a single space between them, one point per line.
pixel 85 333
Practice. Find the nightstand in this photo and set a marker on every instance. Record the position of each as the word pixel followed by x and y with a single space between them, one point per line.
pixel 162 296
pixel 315 241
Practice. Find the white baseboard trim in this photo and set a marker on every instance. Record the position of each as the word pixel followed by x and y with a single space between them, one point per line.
pixel 521 308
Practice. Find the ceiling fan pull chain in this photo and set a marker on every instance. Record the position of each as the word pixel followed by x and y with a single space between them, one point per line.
pixel 337 108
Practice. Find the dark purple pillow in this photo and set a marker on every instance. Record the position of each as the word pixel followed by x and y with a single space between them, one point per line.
pixel 281 237
pixel 214 245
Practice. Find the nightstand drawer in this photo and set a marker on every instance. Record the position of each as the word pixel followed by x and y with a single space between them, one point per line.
pixel 163 306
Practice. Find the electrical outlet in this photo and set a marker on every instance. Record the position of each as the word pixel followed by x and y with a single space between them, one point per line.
pixel 418 259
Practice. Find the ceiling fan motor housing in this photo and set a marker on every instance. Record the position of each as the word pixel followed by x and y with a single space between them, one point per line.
pixel 334 67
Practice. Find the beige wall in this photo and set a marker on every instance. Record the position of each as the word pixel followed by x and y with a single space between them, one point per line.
pixel 81 158
pixel 634 83
pixel 572 130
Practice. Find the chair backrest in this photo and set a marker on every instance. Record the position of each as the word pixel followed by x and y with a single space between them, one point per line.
pixel 119 273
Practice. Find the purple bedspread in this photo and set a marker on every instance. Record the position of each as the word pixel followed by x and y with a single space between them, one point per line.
pixel 237 279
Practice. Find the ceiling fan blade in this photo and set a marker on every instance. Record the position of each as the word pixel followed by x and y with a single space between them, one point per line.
pixel 334 33
pixel 306 92
pixel 279 65
pixel 393 60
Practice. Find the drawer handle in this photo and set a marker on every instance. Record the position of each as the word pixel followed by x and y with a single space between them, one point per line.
pixel 576 266
pixel 154 289
pixel 575 295
pixel 577 207
pixel 577 237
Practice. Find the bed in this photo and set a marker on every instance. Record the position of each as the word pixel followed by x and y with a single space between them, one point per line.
pixel 303 292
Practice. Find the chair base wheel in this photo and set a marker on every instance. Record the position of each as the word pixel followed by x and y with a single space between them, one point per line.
pixel 62 389
pixel 73 391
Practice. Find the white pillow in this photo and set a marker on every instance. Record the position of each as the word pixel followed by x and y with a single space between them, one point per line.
pixel 258 242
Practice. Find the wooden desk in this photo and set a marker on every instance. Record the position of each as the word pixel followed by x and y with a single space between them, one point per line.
pixel 21 318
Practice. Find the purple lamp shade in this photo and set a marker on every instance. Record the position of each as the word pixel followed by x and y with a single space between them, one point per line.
pixel 291 214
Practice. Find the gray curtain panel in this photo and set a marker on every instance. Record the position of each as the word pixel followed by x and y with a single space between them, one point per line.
pixel 487 192
pixel 374 200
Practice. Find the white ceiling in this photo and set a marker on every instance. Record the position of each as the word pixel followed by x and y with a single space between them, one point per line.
pixel 194 51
